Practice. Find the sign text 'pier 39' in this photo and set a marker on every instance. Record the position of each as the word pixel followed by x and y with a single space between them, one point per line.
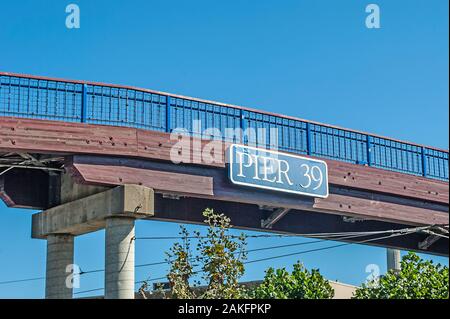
pixel 267 169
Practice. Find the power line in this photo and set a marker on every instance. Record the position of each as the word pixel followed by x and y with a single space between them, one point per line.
pixel 306 243
pixel 248 251
pixel 394 233
pixel 305 251
pixel 275 247
pixel 326 248
pixel 21 280
pixel 152 264
pixel 136 266
pixel 404 231
pixel 136 282
pixel 318 235
pixel 90 290
pixel 356 234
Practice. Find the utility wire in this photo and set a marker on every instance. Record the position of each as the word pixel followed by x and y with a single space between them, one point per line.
pixel 21 280
pixel 248 250
pixel 318 235
pixel 301 244
pixel 86 291
pixel 136 266
pixel 353 235
pixel 326 248
pixel 394 233
pixel 136 282
pixel 254 250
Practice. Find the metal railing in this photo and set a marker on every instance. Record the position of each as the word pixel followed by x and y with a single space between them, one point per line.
pixel 76 101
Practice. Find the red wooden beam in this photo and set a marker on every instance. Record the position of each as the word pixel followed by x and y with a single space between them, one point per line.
pixel 42 136
pixel 198 180
pixel 160 181
pixel 378 210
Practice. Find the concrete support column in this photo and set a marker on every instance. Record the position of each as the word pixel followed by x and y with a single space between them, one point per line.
pixel 119 258
pixel 393 259
pixel 60 250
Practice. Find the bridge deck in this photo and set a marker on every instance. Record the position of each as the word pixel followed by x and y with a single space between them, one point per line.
pixel 96 103
pixel 109 135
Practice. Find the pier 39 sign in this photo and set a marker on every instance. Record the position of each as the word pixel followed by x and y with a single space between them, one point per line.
pixel 266 169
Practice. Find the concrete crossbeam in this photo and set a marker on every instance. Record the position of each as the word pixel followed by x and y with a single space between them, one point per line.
pixel 90 213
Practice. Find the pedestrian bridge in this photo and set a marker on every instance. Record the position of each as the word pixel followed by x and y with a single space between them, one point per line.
pixel 108 135
pixel 94 156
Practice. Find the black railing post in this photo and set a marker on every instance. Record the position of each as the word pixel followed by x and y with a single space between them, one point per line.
pixel 84 103
pixel 424 162
pixel 168 119
pixel 244 137
pixel 369 150
pixel 308 139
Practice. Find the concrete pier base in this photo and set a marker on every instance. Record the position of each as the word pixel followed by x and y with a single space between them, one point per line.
pixel 60 249
pixel 119 258
pixel 115 210
pixel 393 259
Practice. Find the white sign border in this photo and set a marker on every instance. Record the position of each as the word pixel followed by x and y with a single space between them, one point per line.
pixel 230 175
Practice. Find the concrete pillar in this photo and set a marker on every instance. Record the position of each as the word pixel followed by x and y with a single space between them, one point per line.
pixel 58 272
pixel 393 259
pixel 119 258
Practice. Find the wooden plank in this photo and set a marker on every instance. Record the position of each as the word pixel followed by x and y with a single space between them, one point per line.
pixel 377 210
pixel 160 145
pixel 383 181
pixel 160 181
pixel 42 136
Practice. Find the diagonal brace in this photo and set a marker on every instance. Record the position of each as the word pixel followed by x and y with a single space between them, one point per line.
pixel 274 217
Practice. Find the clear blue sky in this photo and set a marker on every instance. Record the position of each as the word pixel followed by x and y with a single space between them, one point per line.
pixel 313 59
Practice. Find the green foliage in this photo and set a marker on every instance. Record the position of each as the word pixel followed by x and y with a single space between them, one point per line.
pixel 418 279
pixel 222 258
pixel 300 284
pixel 181 268
pixel 219 258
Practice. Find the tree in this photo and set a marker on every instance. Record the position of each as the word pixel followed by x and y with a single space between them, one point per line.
pixel 417 279
pixel 300 284
pixel 181 269
pixel 220 258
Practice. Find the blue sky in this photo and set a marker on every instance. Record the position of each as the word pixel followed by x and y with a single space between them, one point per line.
pixel 311 59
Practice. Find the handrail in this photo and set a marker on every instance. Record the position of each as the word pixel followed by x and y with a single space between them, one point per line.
pixel 98 103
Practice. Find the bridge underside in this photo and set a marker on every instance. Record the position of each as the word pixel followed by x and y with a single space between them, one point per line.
pixel 43 164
